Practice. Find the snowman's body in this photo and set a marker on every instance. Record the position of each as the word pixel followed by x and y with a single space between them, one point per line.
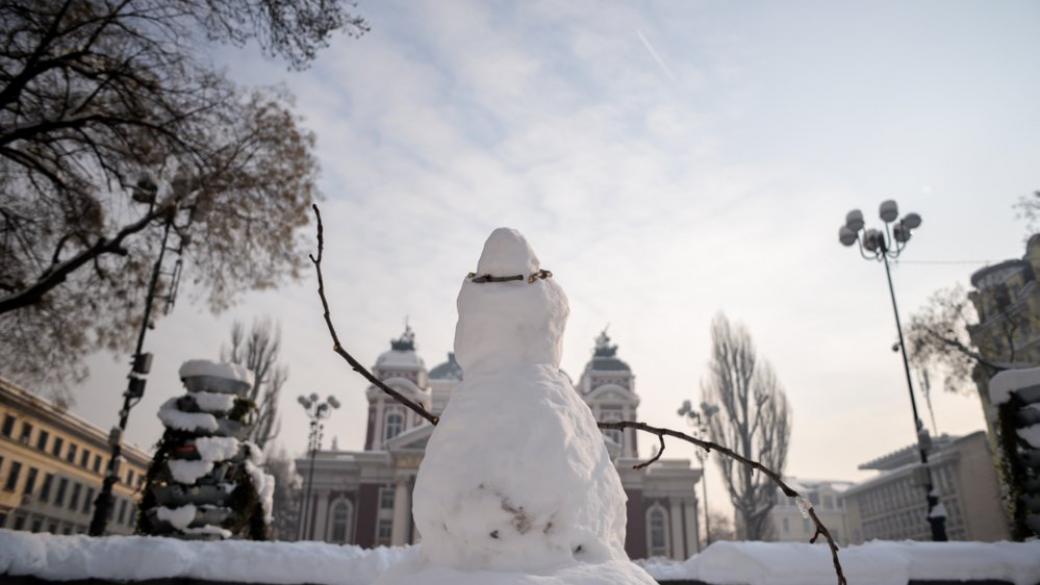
pixel 516 475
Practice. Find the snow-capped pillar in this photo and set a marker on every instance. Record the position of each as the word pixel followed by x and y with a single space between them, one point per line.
pixel 402 510
pixel 690 511
pixel 678 546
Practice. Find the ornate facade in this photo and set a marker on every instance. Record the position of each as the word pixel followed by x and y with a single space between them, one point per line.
pixel 364 497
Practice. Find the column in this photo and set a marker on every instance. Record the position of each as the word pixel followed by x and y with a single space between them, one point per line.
pixel 402 510
pixel 317 527
pixel 678 546
pixel 692 542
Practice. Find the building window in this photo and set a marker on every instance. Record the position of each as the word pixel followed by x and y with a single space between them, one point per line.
pixel 8 427
pixel 787 526
pixel 56 446
pixel 814 498
pixel 37 524
pixel 41 440
pixel 384 528
pixel 19 522
pixel 45 489
pixel 341 517
pixel 30 481
pixel 84 459
pixel 386 498
pixel 71 455
pixel 133 516
pixel 828 502
pixel 74 500
pixel 88 501
pixel 12 476
pixel 130 477
pixel 122 511
pixel 59 498
pixel 393 426
pixel 657 532
pixel 97 463
pixel 26 432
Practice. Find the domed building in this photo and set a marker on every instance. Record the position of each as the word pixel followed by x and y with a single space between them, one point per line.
pixel 364 497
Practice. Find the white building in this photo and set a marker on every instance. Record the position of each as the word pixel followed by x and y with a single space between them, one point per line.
pixel 364 497
pixel 787 523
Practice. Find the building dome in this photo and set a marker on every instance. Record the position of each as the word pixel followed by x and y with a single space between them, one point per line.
pixel 402 354
pixel 604 356
pixel 449 370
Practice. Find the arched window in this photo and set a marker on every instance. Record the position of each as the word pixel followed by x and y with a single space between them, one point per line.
pixel 657 532
pixel 611 414
pixel 393 425
pixel 342 515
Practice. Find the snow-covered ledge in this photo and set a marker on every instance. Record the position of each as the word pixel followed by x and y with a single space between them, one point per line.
pixel 139 558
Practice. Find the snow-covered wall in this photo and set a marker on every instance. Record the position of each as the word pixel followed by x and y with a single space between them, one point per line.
pixel 140 558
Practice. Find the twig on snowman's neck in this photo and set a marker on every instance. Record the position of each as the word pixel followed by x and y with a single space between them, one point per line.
pixel 618 425
pixel 338 347
pixel 790 492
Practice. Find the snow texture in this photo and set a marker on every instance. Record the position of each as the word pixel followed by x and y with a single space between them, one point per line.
pixel 215 449
pixel 264 485
pixel 187 471
pixel 179 518
pixel 516 475
pixel 226 371
pixel 137 558
pixel 174 418
pixel 214 401
pixel 1004 383
pixel 939 511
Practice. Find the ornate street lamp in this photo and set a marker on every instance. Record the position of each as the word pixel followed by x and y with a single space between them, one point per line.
pixel 881 246
pixel 317 410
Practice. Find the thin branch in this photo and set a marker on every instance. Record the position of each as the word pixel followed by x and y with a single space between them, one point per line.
pixel 618 425
pixel 338 347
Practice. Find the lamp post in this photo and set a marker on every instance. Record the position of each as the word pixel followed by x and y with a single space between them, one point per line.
pixel 881 246
pixel 146 191
pixel 317 410
pixel 700 420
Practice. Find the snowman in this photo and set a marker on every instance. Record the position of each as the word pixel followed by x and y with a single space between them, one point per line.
pixel 516 480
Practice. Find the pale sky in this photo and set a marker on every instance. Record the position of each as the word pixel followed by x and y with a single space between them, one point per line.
pixel 666 160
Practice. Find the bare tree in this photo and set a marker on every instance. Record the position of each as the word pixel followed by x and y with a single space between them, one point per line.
pixel 1028 208
pixel 259 351
pixel 754 420
pixel 939 339
pixel 96 95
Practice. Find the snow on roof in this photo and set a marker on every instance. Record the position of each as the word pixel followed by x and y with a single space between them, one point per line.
pixel 1004 383
pixel 193 368
pixel 408 360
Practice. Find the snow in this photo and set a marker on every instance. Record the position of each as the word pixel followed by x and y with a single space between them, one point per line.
pixel 516 476
pixel 188 471
pixel 939 511
pixel 214 401
pixel 226 371
pixel 214 449
pixel 174 418
pixel 1004 383
pixel 208 530
pixel 179 518
pixel 264 485
pixel 137 558
pixel 873 563
pixel 1031 435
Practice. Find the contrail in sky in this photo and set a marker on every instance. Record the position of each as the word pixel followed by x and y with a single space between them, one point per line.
pixel 657 58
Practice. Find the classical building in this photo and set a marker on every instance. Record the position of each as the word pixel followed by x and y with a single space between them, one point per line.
pixel 892 506
pixel 827 497
pixel 51 467
pixel 364 497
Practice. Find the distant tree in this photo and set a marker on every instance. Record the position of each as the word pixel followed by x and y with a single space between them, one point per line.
pixel 287 493
pixel 753 419
pixel 721 527
pixel 259 352
pixel 938 339
pixel 97 99
pixel 1028 208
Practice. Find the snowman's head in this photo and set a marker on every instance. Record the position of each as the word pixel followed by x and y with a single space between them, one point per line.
pixel 506 321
